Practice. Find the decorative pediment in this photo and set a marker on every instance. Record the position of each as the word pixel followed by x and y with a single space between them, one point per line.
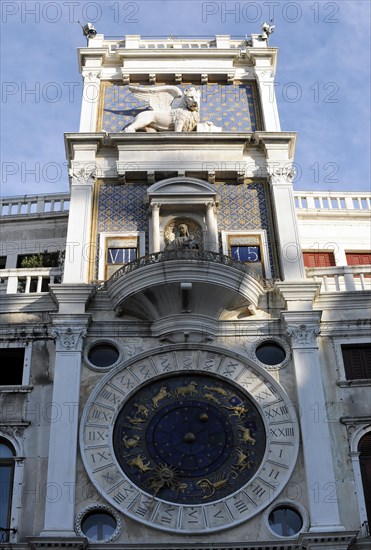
pixel 191 187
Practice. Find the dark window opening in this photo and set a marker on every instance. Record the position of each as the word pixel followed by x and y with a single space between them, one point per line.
pixel 270 353
pixel 285 521
pixel 2 262
pixel 6 483
pixel 103 355
pixel 11 369
pixel 364 449
pixel 357 361
pixel 98 526
pixel 41 259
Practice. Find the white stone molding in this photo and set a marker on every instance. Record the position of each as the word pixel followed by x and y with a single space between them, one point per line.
pixel 295 505
pixel 99 508
pixel 303 327
pixel 155 228
pixel 90 99
pixel 62 455
pixel 356 429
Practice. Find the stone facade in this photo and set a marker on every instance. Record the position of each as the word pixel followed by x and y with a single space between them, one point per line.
pixel 194 395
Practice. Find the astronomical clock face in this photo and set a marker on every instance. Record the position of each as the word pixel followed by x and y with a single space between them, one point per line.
pixel 189 440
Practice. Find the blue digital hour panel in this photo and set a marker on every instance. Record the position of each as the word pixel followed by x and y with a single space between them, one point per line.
pixel 189 438
pixel 246 253
pixel 231 106
pixel 121 255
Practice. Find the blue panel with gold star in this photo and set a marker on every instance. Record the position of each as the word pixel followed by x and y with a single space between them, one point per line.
pixel 230 106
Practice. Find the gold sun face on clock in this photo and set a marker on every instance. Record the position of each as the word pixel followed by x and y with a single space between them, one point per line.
pixel 189 440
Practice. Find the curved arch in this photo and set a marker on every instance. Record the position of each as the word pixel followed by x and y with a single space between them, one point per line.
pixel 354 442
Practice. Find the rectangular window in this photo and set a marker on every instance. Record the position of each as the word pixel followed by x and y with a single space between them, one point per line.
pixel 11 370
pixel 245 253
pixel 319 259
pixel 358 258
pixel 357 361
pixel 2 262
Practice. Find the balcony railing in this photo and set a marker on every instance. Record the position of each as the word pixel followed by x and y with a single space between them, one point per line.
pixel 35 204
pixel 179 255
pixel 29 280
pixel 342 278
pixel 305 200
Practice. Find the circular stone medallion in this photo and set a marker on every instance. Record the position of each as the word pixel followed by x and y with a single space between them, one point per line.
pixel 189 440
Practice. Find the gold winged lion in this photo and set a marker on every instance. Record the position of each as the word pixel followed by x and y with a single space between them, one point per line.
pixel 160 116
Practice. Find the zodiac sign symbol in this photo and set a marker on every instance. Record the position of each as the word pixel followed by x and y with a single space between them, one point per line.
pixel 159 396
pixel 242 462
pixel 216 389
pixel 211 397
pixel 139 463
pixel 130 441
pixel 190 389
pixel 246 435
pixel 238 410
pixel 209 488
pixel 140 416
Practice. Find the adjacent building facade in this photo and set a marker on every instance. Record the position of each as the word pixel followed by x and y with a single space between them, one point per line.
pixel 186 360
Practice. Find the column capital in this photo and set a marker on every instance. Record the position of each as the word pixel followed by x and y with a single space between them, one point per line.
pixel 281 175
pixel 69 333
pixel 91 75
pixel 83 173
pixel 302 327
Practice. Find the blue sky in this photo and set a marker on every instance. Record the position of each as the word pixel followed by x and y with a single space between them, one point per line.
pixel 322 83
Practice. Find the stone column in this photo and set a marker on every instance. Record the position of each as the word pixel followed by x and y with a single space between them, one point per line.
pixel 90 100
pixel 61 475
pixel 76 265
pixel 155 227
pixel 303 328
pixel 212 228
pixel 292 266
pixel 265 79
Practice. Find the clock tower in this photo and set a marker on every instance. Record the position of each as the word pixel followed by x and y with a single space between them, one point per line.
pixel 191 348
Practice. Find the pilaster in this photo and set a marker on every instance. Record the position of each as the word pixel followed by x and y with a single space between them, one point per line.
pixel 303 328
pixel 90 99
pixel 69 333
pixel 212 228
pixel 83 178
pixel 264 60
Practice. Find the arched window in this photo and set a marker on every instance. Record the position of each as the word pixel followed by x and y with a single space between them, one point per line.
pixel 7 454
pixel 364 449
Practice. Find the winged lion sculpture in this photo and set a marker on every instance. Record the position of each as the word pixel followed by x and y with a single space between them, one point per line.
pixel 160 115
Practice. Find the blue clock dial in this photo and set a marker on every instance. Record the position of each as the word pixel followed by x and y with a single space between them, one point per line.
pixel 189 438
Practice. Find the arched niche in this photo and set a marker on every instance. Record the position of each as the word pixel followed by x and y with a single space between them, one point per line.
pixel 182 198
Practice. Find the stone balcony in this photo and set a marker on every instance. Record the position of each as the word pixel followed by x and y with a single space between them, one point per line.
pixel 29 280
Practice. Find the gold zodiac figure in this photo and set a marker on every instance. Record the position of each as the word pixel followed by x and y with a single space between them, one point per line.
pixel 209 488
pixel 135 420
pixel 211 397
pixel 160 396
pixel 242 462
pixel 139 463
pixel 130 441
pixel 246 435
pixel 141 410
pixel 216 389
pixel 238 410
pixel 189 389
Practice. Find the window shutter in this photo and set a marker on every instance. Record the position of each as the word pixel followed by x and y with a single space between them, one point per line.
pixel 319 259
pixel 358 258
pixel 357 361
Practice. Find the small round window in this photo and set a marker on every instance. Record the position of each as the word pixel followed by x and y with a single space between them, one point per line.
pixel 285 521
pixel 103 355
pixel 270 353
pixel 98 526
